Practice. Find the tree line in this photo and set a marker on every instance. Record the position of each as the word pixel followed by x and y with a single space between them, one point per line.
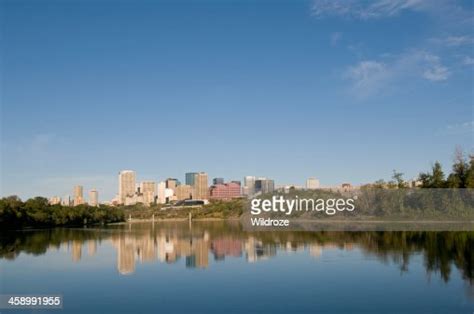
pixel 461 175
pixel 14 213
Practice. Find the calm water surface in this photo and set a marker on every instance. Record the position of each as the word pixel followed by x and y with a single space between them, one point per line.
pixel 217 267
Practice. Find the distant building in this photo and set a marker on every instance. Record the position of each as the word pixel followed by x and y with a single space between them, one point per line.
pixel 225 191
pixel 115 201
pixel 93 198
pixel 264 185
pixel 414 183
pixel 148 189
pixel 201 186
pixel 172 183
pixel 169 195
pixel 66 201
pixel 183 192
pixel 189 178
pixel 199 182
pixel 249 185
pixel 78 195
pixel 127 179
pixel 288 188
pixel 135 199
pixel 216 181
pixel 55 200
pixel 312 184
pixel 161 198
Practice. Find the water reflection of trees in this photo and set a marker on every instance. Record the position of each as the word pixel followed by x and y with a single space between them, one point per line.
pixel 169 242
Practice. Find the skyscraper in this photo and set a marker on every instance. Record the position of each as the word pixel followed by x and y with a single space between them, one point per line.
pixel 264 185
pixel 126 184
pixel 78 195
pixel 200 184
pixel 148 188
pixel 249 185
pixel 161 192
pixel 93 198
pixel 190 177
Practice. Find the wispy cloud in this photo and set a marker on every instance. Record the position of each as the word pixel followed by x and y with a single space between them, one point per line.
pixel 370 77
pixel 364 9
pixel 454 41
pixel 450 12
pixel 335 38
pixel 435 71
pixel 459 128
pixel 468 60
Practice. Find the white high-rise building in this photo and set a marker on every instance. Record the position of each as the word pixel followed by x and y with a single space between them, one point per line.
pixel 249 185
pixel 312 184
pixel 93 197
pixel 78 195
pixel 126 184
pixel 161 192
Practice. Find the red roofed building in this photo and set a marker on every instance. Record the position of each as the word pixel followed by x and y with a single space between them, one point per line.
pixel 225 191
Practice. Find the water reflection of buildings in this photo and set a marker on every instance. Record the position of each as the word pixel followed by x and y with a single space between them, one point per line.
pixel 130 249
pixel 76 250
pixel 171 246
pixel 226 247
pixel 194 249
pixel 257 250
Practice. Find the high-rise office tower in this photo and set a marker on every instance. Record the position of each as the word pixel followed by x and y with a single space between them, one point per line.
pixel 78 195
pixel 148 189
pixel 249 185
pixel 312 184
pixel 161 192
pixel 200 185
pixel 264 185
pixel 190 177
pixel 126 184
pixel 93 198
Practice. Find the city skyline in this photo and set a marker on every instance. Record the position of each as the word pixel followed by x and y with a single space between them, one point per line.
pixel 346 93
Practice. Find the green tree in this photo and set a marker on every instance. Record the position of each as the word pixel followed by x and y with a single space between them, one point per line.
pixel 398 179
pixel 435 179
pixel 458 178
pixel 470 173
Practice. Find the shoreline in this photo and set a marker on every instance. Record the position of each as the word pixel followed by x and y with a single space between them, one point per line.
pixel 138 220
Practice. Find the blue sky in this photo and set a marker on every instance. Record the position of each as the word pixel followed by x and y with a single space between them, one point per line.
pixel 339 90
